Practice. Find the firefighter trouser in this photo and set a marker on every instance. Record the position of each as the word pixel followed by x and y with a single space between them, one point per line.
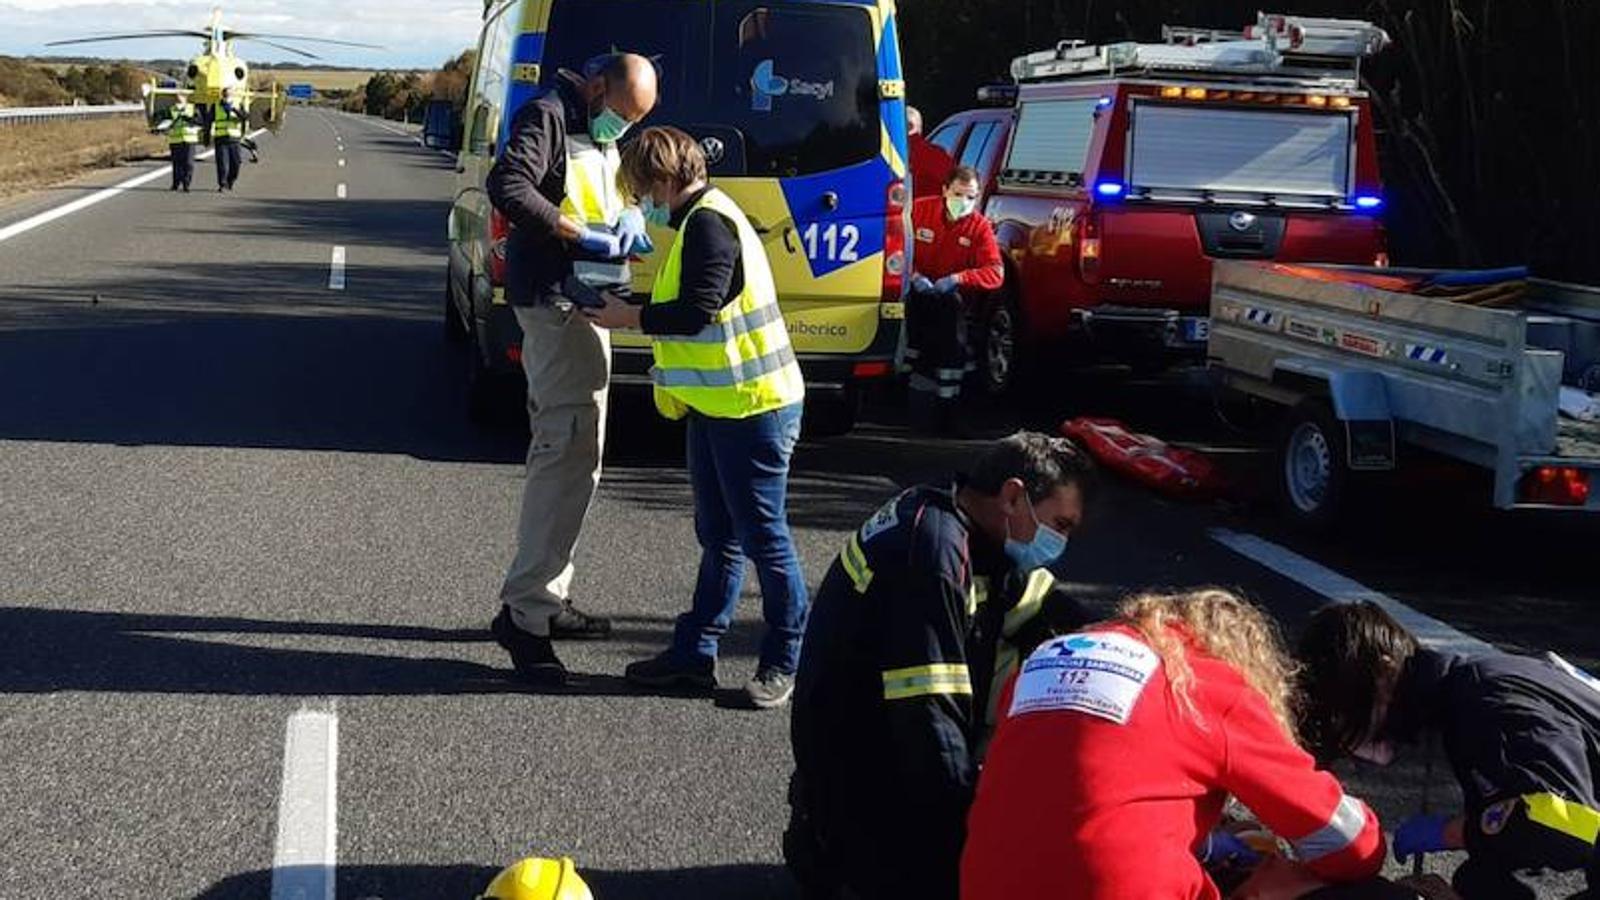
pixel 937 349
pixel 567 362
pixel 1483 877
pixel 227 161
pixel 182 165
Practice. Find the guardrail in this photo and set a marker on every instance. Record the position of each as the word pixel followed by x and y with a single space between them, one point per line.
pixel 22 115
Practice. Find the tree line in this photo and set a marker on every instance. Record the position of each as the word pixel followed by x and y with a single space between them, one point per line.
pixel 405 96
pixel 1488 112
pixel 24 83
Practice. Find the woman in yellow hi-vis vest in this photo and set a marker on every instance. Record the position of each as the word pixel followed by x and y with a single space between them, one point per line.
pixel 723 360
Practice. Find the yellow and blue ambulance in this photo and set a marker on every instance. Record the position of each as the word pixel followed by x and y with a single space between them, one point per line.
pixel 800 107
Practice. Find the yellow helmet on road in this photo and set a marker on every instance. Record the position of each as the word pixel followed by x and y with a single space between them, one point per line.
pixel 536 878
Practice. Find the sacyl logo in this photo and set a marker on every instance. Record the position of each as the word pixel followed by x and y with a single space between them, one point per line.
pixel 765 85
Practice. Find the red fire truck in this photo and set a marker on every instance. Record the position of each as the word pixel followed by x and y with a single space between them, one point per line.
pixel 1117 173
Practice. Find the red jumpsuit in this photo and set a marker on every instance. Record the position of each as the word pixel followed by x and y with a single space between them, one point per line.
pixel 937 322
pixel 930 166
pixel 1074 804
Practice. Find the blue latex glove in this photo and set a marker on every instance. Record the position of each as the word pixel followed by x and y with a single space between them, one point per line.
pixel 947 285
pixel 1422 833
pixel 631 235
pixel 600 243
pixel 1224 848
pixel 921 284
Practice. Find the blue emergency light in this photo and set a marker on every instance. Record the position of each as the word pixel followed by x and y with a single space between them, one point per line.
pixel 1110 189
pixel 1369 202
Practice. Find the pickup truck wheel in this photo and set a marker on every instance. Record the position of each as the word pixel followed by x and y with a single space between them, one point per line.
pixel 1000 348
pixel 1314 475
pixel 455 330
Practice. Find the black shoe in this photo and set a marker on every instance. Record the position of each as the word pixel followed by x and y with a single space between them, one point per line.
pixel 664 671
pixel 221 188
pixel 770 688
pixel 573 625
pixel 173 188
pixel 186 189
pixel 532 656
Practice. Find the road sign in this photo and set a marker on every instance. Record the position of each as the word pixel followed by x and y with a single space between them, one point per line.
pixel 301 91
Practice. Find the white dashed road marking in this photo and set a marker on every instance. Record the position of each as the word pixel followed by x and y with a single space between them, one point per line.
pixel 341 163
pixel 82 203
pixel 305 855
pixel 336 270
pixel 341 191
pixel 1340 589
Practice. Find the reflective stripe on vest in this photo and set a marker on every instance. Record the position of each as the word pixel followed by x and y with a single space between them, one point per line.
pixel 185 127
pixel 592 198
pixel 225 125
pixel 742 363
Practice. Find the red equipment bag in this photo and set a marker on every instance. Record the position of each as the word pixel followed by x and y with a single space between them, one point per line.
pixel 1174 471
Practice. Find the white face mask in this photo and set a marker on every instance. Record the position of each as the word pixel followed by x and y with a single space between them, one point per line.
pixel 1379 753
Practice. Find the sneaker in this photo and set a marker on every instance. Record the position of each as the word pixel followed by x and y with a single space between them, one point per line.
pixel 665 671
pixel 770 688
pixel 570 624
pixel 532 656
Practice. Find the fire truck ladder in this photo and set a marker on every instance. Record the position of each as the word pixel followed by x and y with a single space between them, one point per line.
pixel 1323 52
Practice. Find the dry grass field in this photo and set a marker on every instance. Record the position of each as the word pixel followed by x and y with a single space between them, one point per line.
pixel 321 79
pixel 36 156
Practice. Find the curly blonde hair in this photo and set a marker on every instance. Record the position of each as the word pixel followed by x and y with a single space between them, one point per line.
pixel 1223 625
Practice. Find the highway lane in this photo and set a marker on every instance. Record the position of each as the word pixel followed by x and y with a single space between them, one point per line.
pixel 233 492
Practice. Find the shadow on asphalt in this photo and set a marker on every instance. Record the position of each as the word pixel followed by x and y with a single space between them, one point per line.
pixel 735 882
pixel 54 650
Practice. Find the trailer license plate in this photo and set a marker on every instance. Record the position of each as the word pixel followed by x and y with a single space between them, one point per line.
pixel 1196 331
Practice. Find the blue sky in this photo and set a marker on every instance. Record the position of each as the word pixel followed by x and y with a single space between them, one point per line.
pixel 414 33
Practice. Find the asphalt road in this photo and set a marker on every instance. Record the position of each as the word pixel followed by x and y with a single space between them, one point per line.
pixel 232 493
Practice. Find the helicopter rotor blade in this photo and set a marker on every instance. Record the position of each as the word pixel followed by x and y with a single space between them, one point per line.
pixel 305 53
pixel 137 36
pixel 246 35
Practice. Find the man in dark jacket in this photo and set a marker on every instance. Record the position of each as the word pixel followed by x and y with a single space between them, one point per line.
pixel 555 183
pixel 1522 736
pixel 906 634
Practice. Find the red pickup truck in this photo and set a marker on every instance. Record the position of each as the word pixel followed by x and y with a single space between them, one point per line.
pixel 1115 174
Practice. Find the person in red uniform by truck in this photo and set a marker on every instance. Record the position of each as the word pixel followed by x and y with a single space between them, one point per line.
pixel 930 163
pixel 1120 747
pixel 956 264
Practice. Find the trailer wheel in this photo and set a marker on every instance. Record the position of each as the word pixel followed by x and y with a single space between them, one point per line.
pixel 1000 348
pixel 1313 471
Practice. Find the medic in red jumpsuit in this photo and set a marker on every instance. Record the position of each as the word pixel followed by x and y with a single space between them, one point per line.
pixel 1104 783
pixel 956 264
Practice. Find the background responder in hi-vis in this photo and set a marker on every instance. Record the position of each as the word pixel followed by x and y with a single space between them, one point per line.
pixel 556 181
pixel 957 263
pixel 905 635
pixel 723 362
pixel 227 131
pixel 1522 736
pixel 182 126
pixel 1117 750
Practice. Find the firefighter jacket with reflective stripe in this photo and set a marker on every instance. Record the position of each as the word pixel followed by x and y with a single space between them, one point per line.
pixel 185 124
pixel 228 120
pixel 1134 781
pixel 964 247
pixel 741 363
pixel 1523 737
pixel 894 676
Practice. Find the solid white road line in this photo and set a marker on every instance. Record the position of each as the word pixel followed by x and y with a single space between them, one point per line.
pixel 1340 589
pixel 341 191
pixel 82 203
pixel 306 852
pixel 336 270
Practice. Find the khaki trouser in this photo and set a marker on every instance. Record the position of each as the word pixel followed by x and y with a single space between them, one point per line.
pixel 568 365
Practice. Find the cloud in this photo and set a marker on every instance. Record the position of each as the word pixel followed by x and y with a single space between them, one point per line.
pixel 413 33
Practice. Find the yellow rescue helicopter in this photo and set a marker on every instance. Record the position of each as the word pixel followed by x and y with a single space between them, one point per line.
pixel 216 69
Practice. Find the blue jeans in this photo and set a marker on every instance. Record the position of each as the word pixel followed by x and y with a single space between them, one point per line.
pixel 739 469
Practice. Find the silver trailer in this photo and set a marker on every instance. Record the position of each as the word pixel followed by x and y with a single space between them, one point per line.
pixel 1364 371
